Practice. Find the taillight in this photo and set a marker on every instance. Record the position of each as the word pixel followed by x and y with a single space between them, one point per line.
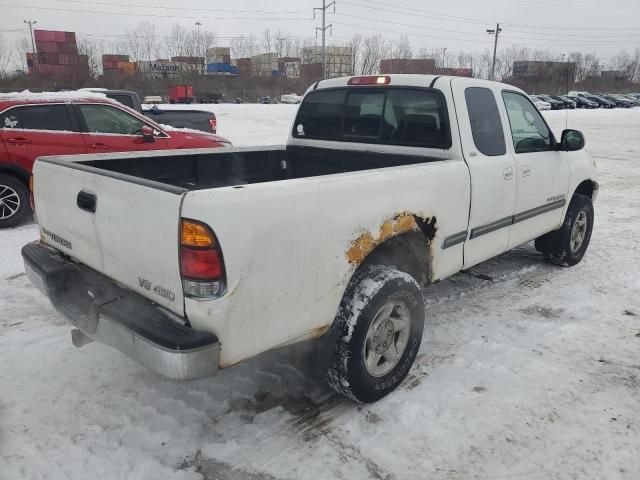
pixel 370 80
pixel 201 262
pixel 214 124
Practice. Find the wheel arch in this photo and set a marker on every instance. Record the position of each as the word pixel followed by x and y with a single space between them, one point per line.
pixel 588 188
pixel 16 172
pixel 404 242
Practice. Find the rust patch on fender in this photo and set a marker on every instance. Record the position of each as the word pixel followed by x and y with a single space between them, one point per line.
pixel 401 223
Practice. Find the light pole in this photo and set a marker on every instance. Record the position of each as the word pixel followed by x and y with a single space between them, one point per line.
pixel 198 47
pixel 495 33
pixel 31 23
pixel 444 57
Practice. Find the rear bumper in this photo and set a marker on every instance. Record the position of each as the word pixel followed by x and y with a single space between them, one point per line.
pixel 107 313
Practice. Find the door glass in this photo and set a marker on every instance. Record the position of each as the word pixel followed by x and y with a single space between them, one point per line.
pixel 486 126
pixel 529 131
pixel 106 119
pixel 37 117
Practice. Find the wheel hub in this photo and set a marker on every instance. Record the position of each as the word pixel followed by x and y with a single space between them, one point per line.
pixel 578 232
pixel 9 202
pixel 387 338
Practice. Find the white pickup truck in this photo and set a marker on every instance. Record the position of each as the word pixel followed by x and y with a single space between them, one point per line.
pixel 196 260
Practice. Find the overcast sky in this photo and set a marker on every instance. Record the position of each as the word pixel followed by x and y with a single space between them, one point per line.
pixel 604 27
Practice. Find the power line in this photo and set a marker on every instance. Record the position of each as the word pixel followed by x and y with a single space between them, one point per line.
pixel 182 8
pixel 146 14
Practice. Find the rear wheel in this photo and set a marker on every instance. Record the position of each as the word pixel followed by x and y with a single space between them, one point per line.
pixel 380 323
pixel 14 201
pixel 567 245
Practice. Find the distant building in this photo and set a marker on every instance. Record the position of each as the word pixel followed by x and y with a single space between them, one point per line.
pixel 543 69
pixel 289 67
pixel 264 65
pixel 408 65
pixel 455 72
pixel 338 60
pixel 162 68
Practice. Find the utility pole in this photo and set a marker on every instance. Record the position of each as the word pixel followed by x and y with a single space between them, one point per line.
pixel 323 29
pixel 444 57
pixel 31 23
pixel 495 33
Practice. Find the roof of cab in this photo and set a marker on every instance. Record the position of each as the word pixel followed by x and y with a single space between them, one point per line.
pixel 26 97
pixel 397 79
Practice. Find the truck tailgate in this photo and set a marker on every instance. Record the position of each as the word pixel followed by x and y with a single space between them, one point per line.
pixel 131 237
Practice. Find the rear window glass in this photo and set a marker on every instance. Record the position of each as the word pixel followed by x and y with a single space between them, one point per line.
pixel 37 117
pixel 393 116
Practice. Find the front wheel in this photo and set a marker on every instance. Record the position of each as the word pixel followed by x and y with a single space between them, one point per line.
pixel 14 201
pixel 380 324
pixel 567 245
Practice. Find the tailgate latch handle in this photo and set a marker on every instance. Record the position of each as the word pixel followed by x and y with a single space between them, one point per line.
pixel 86 201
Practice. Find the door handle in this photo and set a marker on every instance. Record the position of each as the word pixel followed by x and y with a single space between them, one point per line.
pixel 507 173
pixel 19 141
pixel 98 146
pixel 526 171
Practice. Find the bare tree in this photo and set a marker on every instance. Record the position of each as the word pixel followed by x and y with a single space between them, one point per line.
pixel 23 46
pixel 242 47
pixel 142 42
pixel 6 56
pixel 374 49
pixel 356 46
pixel 93 50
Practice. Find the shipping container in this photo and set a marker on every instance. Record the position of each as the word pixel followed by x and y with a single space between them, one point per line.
pixel 180 94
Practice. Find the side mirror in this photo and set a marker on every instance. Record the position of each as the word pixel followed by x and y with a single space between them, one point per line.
pixel 147 134
pixel 571 140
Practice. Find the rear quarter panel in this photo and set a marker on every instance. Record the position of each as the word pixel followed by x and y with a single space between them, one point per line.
pixel 286 244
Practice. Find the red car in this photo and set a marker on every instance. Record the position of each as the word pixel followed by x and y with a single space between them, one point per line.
pixel 33 125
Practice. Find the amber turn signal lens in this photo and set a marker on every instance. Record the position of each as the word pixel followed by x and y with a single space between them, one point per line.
pixel 196 235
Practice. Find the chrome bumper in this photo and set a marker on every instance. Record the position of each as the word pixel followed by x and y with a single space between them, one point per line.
pixel 107 313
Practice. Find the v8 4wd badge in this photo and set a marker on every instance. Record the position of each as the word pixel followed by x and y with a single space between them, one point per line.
pixel 160 290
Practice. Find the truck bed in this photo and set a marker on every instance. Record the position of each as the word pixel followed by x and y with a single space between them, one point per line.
pixel 196 170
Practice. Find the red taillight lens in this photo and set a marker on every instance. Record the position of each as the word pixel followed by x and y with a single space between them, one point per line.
pixel 370 80
pixel 201 264
pixel 201 261
pixel 214 124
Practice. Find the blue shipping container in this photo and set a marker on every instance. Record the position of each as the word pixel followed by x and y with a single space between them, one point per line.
pixel 218 68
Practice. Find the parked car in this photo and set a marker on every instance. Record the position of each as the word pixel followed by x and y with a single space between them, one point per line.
pixel 634 100
pixel 555 104
pixel 192 118
pixel 582 102
pixel 152 99
pixel 33 125
pixel 568 103
pixel 618 101
pixel 539 103
pixel 211 274
pixel 291 98
pixel 602 102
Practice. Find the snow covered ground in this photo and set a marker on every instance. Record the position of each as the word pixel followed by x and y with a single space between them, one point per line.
pixel 526 370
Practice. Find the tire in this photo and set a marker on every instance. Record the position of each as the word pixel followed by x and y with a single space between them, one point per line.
pixel 387 298
pixel 567 245
pixel 14 201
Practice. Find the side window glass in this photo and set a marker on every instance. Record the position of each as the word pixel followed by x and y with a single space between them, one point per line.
pixel 529 132
pixel 486 126
pixel 106 119
pixel 320 115
pixel 38 117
